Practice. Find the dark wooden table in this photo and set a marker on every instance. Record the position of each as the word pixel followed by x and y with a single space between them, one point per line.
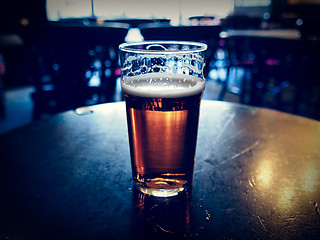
pixel 69 177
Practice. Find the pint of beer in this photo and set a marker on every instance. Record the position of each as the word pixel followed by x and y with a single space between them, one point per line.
pixel 162 84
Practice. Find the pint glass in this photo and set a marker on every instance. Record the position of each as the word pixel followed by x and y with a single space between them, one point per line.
pixel 162 83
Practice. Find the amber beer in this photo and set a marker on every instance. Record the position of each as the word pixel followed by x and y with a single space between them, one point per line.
pixel 163 115
pixel 162 82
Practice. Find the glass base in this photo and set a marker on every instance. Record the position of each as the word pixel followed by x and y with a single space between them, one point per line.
pixel 160 187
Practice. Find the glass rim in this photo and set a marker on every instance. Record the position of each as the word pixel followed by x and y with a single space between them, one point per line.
pixel 128 47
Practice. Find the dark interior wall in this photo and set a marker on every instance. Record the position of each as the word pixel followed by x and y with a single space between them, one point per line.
pixel 12 11
pixel 311 10
pixel 16 56
pixel 303 9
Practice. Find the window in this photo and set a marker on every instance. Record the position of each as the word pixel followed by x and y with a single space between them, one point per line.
pixel 61 9
pixel 252 3
pixel 139 9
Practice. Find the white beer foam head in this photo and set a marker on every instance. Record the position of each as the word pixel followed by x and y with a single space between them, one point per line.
pixel 162 85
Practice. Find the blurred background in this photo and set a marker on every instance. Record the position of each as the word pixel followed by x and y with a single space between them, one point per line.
pixel 57 55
